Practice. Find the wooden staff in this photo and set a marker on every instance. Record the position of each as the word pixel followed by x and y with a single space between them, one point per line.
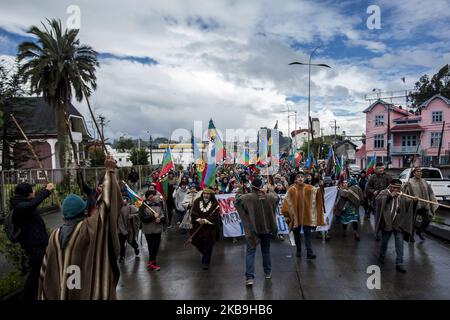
pixel 83 87
pixel 423 200
pixel 58 204
pixel 189 240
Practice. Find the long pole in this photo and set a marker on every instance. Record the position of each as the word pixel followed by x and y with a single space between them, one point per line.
pixel 85 93
pixel 423 200
pixel 309 98
pixel 440 143
pixel 36 158
pixel 388 149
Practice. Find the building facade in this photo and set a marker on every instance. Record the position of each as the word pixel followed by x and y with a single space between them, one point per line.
pixel 38 120
pixel 422 136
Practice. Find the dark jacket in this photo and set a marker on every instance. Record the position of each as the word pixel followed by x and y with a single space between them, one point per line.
pixel 149 225
pixel 362 182
pixel 377 182
pixel 90 193
pixel 27 218
pixel 133 177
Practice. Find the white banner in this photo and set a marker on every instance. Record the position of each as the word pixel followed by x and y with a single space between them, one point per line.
pixel 330 197
pixel 232 224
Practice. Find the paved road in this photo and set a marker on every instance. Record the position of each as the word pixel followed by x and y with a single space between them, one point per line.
pixel 338 273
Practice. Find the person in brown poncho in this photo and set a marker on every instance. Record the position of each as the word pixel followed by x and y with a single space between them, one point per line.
pixel 303 208
pixel 81 258
pixel 395 215
pixel 205 217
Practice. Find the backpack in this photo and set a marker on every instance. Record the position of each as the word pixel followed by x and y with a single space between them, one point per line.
pixel 12 232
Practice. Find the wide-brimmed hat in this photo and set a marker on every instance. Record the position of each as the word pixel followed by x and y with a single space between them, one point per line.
pixel 208 190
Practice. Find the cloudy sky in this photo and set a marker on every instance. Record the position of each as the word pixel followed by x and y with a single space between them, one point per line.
pixel 166 64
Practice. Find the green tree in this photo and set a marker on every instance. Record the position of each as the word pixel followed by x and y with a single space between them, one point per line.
pixel 58 67
pixel 96 155
pixel 124 144
pixel 11 87
pixel 139 156
pixel 426 88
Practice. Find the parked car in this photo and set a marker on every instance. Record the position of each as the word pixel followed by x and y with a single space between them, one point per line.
pixel 440 186
pixel 354 169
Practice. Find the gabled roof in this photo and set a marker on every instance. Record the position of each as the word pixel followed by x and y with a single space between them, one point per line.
pixel 340 143
pixel 35 116
pixel 436 96
pixel 386 105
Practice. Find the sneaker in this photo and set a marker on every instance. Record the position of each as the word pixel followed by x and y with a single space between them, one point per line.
pixel 400 268
pixel 154 266
pixel 249 282
pixel 310 256
pixel 136 252
pixel 268 276
pixel 169 226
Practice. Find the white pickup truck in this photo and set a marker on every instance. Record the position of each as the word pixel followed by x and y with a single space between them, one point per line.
pixel 440 186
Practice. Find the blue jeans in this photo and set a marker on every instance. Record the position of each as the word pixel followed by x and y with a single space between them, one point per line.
pixel 265 250
pixel 398 235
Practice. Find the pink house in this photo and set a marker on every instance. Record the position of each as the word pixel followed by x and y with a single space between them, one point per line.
pixel 407 128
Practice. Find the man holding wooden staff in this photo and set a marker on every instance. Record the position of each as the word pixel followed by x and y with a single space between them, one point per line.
pixel 394 217
pixel 418 187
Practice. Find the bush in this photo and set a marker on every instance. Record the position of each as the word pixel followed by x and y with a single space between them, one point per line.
pixel 11 282
pixel 13 253
pixel 16 257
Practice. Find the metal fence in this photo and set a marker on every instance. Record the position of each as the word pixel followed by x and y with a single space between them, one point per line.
pixel 65 182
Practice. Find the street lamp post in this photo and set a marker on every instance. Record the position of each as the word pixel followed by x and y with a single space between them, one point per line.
pixel 309 87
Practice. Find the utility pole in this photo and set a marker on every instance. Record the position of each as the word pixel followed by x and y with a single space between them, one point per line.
pixel 388 149
pixel 335 127
pixel 103 123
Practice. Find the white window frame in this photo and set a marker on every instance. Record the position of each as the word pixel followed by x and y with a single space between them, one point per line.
pixel 412 139
pixel 380 141
pixel 435 136
pixel 436 114
pixel 379 120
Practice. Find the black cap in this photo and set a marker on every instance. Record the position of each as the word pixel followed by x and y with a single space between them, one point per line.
pixel 396 182
pixel 257 182
pixel 23 189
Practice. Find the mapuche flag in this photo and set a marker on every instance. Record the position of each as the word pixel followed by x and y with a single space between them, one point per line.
pixel 209 177
pixel 214 137
pixel 163 185
pixel 371 165
pixel 134 198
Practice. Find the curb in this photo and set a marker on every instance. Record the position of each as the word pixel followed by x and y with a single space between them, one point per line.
pixel 439 230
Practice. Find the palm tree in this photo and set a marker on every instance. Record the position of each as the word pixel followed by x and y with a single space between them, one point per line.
pixel 57 66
